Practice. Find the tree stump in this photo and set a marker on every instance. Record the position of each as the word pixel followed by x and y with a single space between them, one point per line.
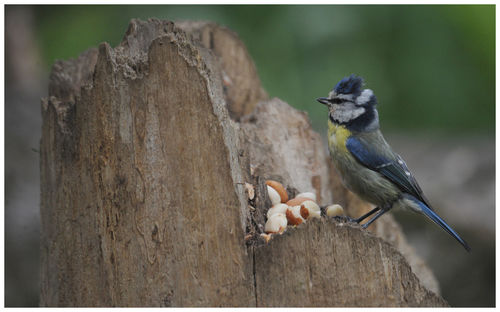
pixel 145 152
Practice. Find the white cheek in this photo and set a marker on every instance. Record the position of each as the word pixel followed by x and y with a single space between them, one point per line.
pixel 348 111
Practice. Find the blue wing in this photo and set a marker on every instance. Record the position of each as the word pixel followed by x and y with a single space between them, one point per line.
pixel 389 164
pixel 380 158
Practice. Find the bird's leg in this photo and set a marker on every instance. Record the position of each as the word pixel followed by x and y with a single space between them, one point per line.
pixel 366 215
pixel 381 212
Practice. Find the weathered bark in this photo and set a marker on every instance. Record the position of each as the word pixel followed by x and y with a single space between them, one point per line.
pixel 328 263
pixel 140 205
pixel 240 81
pixel 143 200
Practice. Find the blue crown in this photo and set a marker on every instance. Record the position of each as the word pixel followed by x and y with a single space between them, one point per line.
pixel 349 85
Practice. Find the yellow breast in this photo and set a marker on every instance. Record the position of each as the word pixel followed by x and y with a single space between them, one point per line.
pixel 337 136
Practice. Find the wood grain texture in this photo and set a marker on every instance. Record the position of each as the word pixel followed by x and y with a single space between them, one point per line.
pixel 143 178
pixel 326 263
pixel 140 206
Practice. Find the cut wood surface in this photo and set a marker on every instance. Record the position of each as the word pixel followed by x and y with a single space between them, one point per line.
pixel 145 152
pixel 328 263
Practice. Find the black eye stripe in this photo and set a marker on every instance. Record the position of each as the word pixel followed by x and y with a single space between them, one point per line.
pixel 337 101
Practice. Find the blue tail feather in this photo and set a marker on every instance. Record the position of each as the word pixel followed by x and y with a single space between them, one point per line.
pixel 428 212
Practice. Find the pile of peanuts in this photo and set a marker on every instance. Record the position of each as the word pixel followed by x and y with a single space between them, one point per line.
pixel 292 212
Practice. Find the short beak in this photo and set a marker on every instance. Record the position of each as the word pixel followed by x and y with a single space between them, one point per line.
pixel 323 100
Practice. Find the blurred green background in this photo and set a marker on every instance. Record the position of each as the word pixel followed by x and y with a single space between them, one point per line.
pixel 432 69
pixel 435 63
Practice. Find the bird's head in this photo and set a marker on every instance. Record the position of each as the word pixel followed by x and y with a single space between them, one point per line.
pixel 350 106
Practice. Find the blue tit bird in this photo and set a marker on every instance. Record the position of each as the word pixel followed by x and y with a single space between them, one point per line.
pixel 366 163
